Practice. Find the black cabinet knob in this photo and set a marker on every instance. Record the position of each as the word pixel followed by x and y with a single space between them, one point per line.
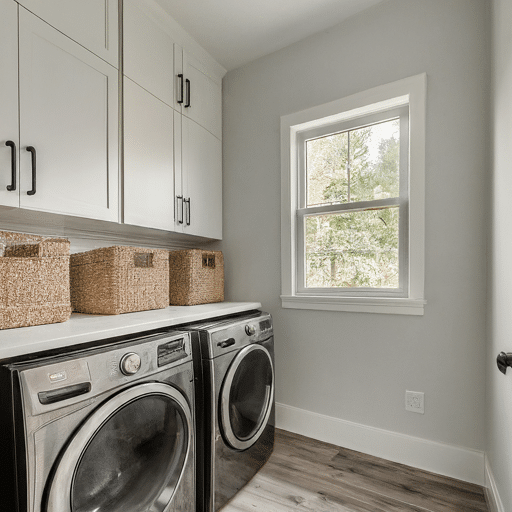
pixel 504 360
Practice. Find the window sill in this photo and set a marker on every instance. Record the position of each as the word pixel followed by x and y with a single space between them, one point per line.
pixel 385 305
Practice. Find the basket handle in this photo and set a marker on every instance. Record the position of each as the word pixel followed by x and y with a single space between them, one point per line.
pixel 24 250
pixel 208 260
pixel 143 259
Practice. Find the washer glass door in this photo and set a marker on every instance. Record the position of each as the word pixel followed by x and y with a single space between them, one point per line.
pixel 247 396
pixel 128 456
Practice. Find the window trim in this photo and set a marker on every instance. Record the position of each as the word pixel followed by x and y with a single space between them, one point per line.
pixel 409 91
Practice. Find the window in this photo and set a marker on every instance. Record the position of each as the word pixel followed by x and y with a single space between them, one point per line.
pixel 353 202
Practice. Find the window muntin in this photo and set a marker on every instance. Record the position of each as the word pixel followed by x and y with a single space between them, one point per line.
pixel 352 224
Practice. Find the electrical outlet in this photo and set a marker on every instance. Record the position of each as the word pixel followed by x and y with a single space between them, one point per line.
pixel 415 401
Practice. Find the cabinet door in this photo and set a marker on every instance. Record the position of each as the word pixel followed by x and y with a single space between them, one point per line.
pixel 8 99
pixel 69 114
pixel 148 51
pixel 148 159
pixel 202 180
pixel 178 175
pixel 203 95
pixel 179 79
pixel 92 23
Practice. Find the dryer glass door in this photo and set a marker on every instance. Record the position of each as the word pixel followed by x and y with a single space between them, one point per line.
pixel 128 456
pixel 247 396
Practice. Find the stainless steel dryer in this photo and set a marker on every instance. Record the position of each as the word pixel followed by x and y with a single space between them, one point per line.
pixel 236 418
pixel 108 429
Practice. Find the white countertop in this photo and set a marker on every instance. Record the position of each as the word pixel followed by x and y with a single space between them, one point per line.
pixel 86 328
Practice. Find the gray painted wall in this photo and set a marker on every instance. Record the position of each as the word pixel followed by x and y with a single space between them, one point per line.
pixel 499 387
pixel 356 366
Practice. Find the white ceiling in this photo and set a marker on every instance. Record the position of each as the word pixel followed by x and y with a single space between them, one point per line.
pixel 235 32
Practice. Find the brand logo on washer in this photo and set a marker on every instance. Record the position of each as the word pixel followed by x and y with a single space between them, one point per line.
pixel 57 376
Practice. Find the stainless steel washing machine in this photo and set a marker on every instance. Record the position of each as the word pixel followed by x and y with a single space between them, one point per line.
pixel 236 411
pixel 108 429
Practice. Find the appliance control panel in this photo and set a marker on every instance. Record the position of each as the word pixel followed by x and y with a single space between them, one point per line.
pixel 172 351
pixel 65 380
pixel 232 334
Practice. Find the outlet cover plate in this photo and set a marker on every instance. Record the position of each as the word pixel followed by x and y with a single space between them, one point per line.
pixel 415 401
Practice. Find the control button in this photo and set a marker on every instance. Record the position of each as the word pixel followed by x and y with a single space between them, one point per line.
pixel 130 363
pixel 250 330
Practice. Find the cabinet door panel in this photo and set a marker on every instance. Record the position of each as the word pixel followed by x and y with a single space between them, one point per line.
pixel 202 179
pixel 148 51
pixel 179 79
pixel 68 112
pixel 205 96
pixel 91 23
pixel 148 160
pixel 8 97
pixel 178 174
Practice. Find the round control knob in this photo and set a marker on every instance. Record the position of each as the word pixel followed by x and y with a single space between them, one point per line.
pixel 250 329
pixel 130 363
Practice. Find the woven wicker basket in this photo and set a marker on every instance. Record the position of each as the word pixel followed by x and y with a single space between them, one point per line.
pixel 34 280
pixel 196 277
pixel 115 280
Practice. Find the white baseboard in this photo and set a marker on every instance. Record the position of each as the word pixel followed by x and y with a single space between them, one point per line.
pixel 444 459
pixel 491 491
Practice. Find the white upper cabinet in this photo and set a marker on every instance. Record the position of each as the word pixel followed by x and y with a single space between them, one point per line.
pixel 202 94
pixel 91 23
pixel 9 103
pixel 198 146
pixel 148 50
pixel 68 125
pixel 174 188
pixel 201 164
pixel 148 159
pixel 148 169
pixel 59 115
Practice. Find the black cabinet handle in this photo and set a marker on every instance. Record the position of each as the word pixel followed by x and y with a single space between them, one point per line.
pixel 187 81
pixel 504 360
pixel 178 199
pixel 180 76
pixel 32 150
pixel 187 211
pixel 12 186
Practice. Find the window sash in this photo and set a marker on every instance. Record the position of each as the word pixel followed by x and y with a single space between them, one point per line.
pixel 302 212
pixel 401 291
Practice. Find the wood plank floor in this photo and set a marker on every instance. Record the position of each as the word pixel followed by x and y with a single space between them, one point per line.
pixel 306 475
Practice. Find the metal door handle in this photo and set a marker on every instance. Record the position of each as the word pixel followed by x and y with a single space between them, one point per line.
pixel 12 145
pixel 226 343
pixel 32 150
pixel 180 76
pixel 187 211
pixel 178 199
pixel 187 81
pixel 57 395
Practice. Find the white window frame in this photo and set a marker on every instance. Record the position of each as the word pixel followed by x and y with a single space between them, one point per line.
pixel 410 92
